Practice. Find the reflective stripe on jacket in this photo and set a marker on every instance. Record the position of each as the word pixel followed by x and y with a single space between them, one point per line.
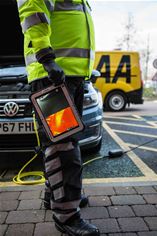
pixel 64 25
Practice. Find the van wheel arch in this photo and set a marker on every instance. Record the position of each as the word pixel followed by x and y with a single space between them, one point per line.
pixel 115 100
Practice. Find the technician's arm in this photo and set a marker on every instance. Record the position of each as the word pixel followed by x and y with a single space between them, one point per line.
pixel 35 21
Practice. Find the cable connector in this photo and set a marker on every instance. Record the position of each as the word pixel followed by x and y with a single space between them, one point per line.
pixel 37 149
pixel 115 153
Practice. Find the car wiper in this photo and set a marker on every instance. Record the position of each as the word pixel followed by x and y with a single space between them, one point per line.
pixel 12 76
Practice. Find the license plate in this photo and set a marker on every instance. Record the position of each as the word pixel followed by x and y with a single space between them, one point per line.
pixel 16 127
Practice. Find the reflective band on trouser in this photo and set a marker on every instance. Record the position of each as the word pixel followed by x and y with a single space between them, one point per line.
pixel 65 207
pixel 53 172
pixel 53 166
pixel 34 19
pixel 58 193
pixel 58 147
pixel 55 178
pixel 63 210
pixel 64 215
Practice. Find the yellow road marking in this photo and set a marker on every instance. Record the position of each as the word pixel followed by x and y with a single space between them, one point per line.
pixel 123 118
pixel 134 133
pixel 128 124
pixel 153 123
pixel 122 181
pixel 137 117
pixel 150 176
pixel 143 147
pixel 12 184
pixel 138 162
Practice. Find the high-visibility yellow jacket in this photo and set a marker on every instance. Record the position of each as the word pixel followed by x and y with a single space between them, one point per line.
pixel 64 25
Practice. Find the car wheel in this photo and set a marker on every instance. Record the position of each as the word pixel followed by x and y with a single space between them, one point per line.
pixel 115 101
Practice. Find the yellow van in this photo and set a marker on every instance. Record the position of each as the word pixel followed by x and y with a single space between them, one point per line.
pixel 120 82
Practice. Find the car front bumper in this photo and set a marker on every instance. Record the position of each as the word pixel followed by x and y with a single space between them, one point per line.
pixel 93 128
pixel 24 141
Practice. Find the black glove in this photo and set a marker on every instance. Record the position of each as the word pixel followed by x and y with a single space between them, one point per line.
pixel 55 72
pixel 23 87
pixel 46 57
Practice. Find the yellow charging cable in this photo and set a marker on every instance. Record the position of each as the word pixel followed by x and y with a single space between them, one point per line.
pixel 94 159
pixel 19 178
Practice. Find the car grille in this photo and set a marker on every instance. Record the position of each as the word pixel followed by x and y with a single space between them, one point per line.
pixel 23 104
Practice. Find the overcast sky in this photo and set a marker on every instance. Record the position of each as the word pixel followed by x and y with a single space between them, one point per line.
pixel 110 18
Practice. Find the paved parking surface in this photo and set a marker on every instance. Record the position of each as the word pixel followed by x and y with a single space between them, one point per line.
pixel 138 133
pixel 116 210
pixel 120 132
pixel 122 191
pixel 128 132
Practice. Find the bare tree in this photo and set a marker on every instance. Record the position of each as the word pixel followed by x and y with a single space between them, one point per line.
pixel 127 42
pixel 145 58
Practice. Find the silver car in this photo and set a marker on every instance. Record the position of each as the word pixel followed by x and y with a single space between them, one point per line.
pixel 16 122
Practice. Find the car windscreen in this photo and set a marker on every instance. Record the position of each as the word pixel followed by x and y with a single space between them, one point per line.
pixel 11 32
pixel 12 71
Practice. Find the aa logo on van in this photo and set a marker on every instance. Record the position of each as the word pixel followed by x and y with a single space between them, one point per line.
pixel 122 70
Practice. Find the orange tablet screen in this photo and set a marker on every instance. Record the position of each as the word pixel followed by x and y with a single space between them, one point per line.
pixel 61 121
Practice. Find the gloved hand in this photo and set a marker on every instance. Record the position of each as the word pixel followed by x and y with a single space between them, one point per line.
pixel 55 72
pixel 23 87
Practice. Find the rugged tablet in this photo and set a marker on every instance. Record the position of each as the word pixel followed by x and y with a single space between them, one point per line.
pixel 57 112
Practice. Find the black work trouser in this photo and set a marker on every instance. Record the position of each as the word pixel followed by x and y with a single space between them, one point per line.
pixel 62 160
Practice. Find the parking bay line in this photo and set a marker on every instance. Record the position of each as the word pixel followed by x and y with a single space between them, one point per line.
pixel 126 132
pixel 120 181
pixel 129 124
pixel 149 174
pixel 143 147
pixel 124 118
pixel 138 162
pixel 149 177
pixel 138 117
pixel 152 123
pixel 134 133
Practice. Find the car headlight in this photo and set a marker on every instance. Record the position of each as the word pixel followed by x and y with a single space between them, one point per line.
pixel 100 100
pixel 90 100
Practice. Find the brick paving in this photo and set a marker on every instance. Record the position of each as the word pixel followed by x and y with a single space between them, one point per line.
pixel 117 211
